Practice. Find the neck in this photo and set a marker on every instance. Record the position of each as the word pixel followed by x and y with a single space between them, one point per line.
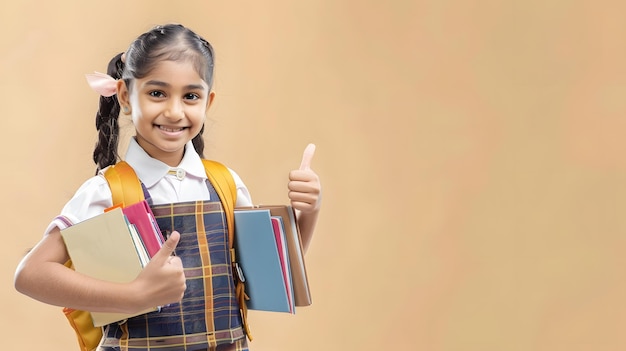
pixel 170 158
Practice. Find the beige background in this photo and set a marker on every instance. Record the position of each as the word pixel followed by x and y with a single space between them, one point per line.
pixel 471 154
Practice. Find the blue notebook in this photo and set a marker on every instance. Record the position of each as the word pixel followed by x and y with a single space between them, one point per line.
pixel 258 256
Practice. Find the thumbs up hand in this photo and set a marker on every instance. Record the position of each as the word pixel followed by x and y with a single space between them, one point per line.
pixel 162 281
pixel 304 186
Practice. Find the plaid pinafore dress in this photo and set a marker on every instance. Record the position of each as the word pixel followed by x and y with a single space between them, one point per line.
pixel 208 317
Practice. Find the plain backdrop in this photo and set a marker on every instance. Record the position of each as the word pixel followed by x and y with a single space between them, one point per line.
pixel 471 156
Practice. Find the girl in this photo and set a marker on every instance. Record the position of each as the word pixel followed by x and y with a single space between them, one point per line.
pixel 163 82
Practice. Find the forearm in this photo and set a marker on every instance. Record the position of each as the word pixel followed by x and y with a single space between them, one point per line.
pixel 55 284
pixel 42 276
pixel 306 223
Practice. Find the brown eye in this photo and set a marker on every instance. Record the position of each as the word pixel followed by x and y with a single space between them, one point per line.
pixel 156 93
pixel 192 96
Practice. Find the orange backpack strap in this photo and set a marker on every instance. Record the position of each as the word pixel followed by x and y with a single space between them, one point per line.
pixel 224 184
pixel 125 185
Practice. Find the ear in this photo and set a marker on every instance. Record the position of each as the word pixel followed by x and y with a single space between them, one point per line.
pixel 123 95
pixel 210 100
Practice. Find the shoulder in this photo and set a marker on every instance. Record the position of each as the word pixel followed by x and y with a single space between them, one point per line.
pixel 243 195
pixel 91 198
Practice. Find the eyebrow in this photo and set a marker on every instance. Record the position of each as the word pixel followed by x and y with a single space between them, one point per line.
pixel 165 85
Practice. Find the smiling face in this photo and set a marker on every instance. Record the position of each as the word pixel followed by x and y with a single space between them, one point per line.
pixel 168 108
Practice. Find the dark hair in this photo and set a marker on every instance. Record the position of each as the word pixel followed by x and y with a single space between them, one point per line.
pixel 172 42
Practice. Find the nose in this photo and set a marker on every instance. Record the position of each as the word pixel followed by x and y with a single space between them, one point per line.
pixel 174 110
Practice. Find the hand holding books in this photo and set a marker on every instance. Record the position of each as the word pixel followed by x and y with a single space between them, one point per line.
pixel 162 281
pixel 112 247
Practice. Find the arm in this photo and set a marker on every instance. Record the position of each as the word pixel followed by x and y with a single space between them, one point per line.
pixel 305 193
pixel 306 223
pixel 43 276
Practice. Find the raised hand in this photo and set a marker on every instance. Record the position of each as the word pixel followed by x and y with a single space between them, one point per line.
pixel 162 281
pixel 304 186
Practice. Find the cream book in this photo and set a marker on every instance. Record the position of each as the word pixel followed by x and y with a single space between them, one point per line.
pixel 103 247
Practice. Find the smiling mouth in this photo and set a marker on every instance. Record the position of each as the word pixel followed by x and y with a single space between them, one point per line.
pixel 171 130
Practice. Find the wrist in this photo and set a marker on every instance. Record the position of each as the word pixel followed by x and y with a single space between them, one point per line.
pixel 132 301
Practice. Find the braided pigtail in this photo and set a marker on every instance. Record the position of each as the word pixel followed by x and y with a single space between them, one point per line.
pixel 204 47
pixel 198 143
pixel 105 152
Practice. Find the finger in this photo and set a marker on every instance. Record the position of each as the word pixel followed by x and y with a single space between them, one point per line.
pixel 175 260
pixel 299 175
pixel 307 156
pixel 302 197
pixel 168 247
pixel 302 187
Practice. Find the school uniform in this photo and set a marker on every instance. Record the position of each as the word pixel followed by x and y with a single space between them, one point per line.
pixel 182 199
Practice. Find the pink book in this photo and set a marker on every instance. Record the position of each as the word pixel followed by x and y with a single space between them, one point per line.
pixel 282 254
pixel 142 217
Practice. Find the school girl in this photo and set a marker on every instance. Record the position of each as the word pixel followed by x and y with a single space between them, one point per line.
pixel 163 81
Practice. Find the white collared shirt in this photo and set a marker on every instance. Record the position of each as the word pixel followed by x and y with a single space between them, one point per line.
pixel 187 182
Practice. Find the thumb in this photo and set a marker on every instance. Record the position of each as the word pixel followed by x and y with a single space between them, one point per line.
pixel 307 156
pixel 168 247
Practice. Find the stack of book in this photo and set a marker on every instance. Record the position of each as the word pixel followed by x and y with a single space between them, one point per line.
pixel 114 246
pixel 271 256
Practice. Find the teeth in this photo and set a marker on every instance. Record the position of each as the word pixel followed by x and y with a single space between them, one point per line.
pixel 170 129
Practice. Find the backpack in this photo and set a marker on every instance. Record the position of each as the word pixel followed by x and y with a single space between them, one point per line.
pixel 126 189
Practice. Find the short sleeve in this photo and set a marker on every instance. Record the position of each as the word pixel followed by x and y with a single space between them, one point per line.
pixel 91 199
pixel 243 195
